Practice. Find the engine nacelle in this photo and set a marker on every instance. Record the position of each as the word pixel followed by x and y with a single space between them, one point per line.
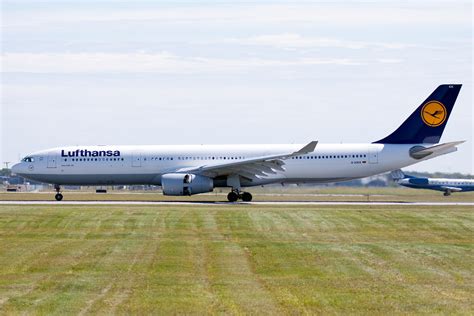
pixel 185 184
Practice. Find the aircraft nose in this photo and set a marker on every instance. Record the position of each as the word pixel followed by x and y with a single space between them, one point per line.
pixel 18 168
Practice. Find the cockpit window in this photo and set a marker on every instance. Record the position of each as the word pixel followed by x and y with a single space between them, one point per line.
pixel 28 159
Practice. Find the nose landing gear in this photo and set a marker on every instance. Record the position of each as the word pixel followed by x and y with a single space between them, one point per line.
pixel 58 195
pixel 234 195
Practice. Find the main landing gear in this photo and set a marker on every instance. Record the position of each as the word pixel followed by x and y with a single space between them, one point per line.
pixel 234 195
pixel 58 195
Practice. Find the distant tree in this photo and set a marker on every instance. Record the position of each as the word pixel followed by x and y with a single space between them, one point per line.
pixel 350 183
pixel 5 172
pixel 377 183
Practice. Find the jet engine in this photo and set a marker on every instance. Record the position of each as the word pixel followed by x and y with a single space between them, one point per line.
pixel 185 184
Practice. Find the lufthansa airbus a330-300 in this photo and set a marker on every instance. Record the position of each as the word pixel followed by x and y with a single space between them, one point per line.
pixel 193 169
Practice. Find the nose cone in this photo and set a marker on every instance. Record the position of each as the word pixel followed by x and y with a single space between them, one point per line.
pixel 18 168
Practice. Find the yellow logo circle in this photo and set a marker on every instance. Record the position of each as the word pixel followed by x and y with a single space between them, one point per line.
pixel 433 113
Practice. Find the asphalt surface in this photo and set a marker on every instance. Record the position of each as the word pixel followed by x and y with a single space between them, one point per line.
pixel 226 203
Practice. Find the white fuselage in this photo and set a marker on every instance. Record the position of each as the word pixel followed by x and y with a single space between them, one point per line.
pixel 451 182
pixel 455 185
pixel 124 165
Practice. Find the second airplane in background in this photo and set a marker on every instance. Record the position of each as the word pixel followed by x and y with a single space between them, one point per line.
pixel 447 186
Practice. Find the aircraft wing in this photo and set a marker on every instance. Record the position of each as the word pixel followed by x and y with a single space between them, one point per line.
pixel 452 189
pixel 251 168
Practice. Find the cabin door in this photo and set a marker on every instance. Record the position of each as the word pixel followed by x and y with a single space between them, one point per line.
pixel 52 160
pixel 373 155
pixel 136 160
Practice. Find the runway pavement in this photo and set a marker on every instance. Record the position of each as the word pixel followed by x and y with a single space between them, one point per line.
pixel 63 203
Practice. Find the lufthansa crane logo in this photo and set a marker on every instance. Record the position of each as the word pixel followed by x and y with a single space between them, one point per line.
pixel 433 113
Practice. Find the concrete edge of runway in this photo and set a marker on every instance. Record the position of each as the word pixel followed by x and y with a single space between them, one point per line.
pixel 194 203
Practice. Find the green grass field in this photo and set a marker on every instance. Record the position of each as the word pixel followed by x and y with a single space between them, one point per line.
pixel 236 259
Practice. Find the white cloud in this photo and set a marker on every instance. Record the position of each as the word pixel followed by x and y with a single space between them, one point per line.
pixel 291 40
pixel 318 13
pixel 390 60
pixel 145 63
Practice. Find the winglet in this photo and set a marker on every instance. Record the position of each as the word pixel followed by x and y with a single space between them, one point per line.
pixel 307 149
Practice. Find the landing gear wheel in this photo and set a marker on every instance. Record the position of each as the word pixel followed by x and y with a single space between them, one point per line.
pixel 58 195
pixel 232 196
pixel 246 197
pixel 447 193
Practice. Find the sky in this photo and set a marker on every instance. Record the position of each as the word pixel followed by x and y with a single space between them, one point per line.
pixel 216 72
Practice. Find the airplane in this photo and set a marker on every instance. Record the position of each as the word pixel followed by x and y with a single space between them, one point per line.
pixel 446 185
pixel 183 170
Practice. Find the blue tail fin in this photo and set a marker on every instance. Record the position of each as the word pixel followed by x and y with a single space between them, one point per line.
pixel 399 174
pixel 426 124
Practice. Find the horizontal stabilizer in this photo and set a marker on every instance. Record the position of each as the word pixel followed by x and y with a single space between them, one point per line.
pixel 420 152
